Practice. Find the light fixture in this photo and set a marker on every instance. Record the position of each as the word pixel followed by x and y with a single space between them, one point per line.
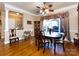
pixel 45 9
pixel 17 13
pixel 41 11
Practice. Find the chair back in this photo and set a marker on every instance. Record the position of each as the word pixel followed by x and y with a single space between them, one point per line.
pixel 39 36
pixel 64 36
pixel 12 32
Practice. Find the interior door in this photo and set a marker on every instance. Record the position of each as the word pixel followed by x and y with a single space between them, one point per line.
pixel 36 26
pixel 36 29
pixel 78 19
pixel 0 25
pixel 1 40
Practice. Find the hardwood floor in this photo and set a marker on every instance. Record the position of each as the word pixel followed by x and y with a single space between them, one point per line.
pixel 28 48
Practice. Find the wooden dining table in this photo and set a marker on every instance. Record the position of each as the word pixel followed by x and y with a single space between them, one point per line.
pixel 53 37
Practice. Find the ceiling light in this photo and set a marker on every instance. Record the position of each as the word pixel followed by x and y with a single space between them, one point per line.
pixel 17 13
pixel 41 11
pixel 45 9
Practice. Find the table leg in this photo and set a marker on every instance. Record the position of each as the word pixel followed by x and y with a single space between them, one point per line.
pixel 51 41
pixel 54 47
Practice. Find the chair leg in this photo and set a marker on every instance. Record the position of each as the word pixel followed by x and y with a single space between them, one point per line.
pixel 10 42
pixel 63 48
pixel 15 39
pixel 51 41
pixel 36 42
pixel 44 48
pixel 18 39
pixel 54 48
pixel 38 45
pixel 48 45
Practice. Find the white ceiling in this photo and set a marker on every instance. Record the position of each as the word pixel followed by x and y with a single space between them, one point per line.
pixel 31 6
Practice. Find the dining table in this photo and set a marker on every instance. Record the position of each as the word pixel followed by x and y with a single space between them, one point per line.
pixel 53 37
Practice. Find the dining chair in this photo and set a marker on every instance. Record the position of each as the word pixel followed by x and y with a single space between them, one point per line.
pixel 42 41
pixel 26 35
pixel 59 41
pixel 12 36
pixel 76 42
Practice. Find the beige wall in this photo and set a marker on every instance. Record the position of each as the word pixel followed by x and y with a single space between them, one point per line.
pixel 73 20
pixel 30 26
pixel 9 23
pixel 26 27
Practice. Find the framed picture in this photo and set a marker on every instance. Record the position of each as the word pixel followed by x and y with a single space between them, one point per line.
pixel 29 22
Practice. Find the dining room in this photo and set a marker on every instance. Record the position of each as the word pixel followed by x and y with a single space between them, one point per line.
pixel 40 29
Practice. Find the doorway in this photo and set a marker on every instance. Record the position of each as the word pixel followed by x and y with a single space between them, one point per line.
pixel 36 29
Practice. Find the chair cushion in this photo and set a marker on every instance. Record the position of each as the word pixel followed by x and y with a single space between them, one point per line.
pixel 12 37
pixel 59 41
pixel 45 41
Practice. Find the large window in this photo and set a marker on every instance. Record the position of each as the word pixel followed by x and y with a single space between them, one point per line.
pixel 51 26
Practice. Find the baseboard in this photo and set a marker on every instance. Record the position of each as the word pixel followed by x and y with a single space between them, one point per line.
pixel 6 42
pixel 20 38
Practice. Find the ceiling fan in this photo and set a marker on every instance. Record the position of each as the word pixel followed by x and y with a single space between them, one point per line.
pixel 45 9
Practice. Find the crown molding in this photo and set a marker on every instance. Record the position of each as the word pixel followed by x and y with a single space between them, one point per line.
pixel 14 8
pixel 64 9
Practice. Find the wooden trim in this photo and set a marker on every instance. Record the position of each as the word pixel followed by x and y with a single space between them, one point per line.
pixel 78 19
pixel 78 23
pixel 78 7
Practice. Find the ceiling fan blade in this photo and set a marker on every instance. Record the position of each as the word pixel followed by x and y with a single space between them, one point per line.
pixel 37 11
pixel 51 10
pixel 38 7
pixel 50 5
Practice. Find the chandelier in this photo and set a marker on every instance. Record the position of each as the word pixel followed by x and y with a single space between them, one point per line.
pixel 45 9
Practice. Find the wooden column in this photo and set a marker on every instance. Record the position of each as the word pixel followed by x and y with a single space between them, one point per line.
pixel 6 26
